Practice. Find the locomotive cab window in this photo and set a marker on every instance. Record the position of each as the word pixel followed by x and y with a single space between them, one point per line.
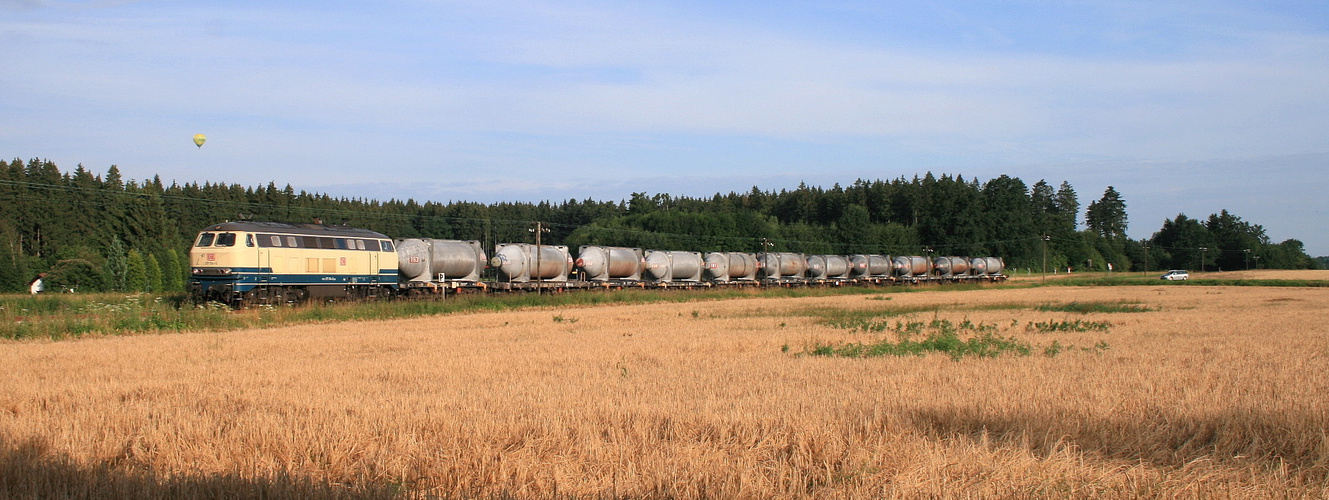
pixel 205 240
pixel 249 240
pixel 225 240
pixel 387 246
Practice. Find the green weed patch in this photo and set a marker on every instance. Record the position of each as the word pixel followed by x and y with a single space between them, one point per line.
pixel 919 338
pixel 1094 307
pixel 1069 326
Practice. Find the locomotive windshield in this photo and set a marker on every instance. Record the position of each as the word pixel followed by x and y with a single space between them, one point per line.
pixel 216 239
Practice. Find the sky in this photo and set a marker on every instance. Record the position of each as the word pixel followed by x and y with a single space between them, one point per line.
pixel 1183 107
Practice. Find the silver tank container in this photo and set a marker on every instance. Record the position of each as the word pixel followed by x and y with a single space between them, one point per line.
pixel 603 263
pixel 828 267
pixel 942 266
pixel 995 265
pixel 911 266
pixel 730 266
pixel 874 266
pixel 428 260
pixel 978 266
pixel 817 267
pixel 837 266
pixel 518 262
pixel 668 265
pixel 959 266
pixel 776 265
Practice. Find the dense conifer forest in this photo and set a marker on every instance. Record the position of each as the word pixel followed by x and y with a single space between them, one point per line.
pixel 96 232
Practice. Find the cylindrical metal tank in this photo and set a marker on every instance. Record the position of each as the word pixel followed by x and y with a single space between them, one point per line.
pixel 425 260
pixel 817 267
pixel 942 266
pixel 874 266
pixel 978 266
pixel 520 262
pixel 858 266
pixel 603 263
pixel 727 266
pixel 666 265
pixel 837 266
pixel 959 266
pixel 911 266
pixel 775 265
pixel 742 266
pixel 879 265
pixel 995 265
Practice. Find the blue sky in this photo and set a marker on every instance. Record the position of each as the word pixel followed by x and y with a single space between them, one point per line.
pixel 1184 107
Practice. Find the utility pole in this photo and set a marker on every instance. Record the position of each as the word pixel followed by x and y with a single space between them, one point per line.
pixel 1247 258
pixel 765 254
pixel 1046 238
pixel 1146 259
pixel 1204 255
pixel 538 230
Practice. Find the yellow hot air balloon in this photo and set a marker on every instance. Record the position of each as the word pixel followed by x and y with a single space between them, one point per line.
pixel 199 139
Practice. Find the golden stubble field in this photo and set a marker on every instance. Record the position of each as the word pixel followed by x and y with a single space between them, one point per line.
pixel 1215 391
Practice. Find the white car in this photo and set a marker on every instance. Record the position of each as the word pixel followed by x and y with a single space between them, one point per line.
pixel 1175 275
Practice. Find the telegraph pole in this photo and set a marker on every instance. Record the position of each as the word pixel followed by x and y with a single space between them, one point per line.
pixel 1146 259
pixel 765 256
pixel 538 230
pixel 1046 238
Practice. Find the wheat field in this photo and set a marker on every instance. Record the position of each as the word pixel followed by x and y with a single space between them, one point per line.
pixel 1201 392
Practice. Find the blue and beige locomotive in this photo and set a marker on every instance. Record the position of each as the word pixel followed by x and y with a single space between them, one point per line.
pixel 272 263
pixel 251 263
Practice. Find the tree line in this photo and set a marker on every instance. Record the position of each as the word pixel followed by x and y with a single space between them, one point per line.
pixel 91 232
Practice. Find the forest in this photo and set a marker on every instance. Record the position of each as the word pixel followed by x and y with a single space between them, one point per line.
pixel 88 231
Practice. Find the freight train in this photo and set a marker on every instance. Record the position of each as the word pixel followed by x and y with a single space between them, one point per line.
pixel 256 263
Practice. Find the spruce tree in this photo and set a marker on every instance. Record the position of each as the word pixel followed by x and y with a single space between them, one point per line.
pixel 136 272
pixel 116 265
pixel 154 274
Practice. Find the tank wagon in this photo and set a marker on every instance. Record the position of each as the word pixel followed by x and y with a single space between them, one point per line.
pixel 731 267
pixel 601 263
pixel 524 262
pixel 828 267
pixel 669 266
pixel 425 264
pixel 870 267
pixel 253 263
pixel 778 266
